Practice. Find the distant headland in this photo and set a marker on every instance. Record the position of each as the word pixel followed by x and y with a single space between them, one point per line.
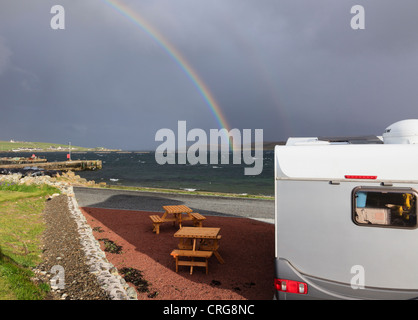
pixel 25 146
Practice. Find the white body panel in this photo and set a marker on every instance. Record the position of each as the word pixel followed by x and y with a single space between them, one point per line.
pixel 315 231
pixel 387 162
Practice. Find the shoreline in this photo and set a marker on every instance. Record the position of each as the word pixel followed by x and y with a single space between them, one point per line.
pixel 76 180
pixel 141 181
pixel 191 193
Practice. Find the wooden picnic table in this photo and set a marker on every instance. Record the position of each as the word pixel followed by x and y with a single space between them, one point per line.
pixel 177 216
pixel 208 239
pixel 177 212
pixel 188 246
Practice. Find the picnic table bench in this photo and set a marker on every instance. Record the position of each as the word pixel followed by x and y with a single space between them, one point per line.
pixel 176 253
pixel 197 219
pixel 156 221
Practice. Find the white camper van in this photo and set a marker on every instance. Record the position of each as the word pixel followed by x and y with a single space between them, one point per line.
pixel 346 217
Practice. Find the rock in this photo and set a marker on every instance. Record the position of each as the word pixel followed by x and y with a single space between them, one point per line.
pixel 132 294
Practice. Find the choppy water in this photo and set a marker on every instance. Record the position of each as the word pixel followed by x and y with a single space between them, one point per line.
pixel 141 169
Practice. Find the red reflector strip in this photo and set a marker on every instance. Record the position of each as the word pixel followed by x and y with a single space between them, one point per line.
pixel 290 286
pixel 360 177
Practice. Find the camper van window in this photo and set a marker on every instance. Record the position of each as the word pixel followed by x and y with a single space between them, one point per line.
pixel 385 207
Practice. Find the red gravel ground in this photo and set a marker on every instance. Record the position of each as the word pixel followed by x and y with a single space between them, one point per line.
pixel 247 246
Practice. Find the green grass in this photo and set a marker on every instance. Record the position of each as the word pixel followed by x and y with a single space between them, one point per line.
pixel 32 190
pixel 12 191
pixel 15 283
pixel 21 227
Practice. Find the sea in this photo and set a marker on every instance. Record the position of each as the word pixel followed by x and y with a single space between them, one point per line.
pixel 140 169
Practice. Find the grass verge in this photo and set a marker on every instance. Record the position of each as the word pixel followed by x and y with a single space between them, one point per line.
pixel 21 227
pixel 198 193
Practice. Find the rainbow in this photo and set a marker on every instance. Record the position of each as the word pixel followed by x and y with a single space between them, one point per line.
pixel 139 21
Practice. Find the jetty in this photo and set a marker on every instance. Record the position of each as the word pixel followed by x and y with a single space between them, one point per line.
pixel 73 165
pixel 21 160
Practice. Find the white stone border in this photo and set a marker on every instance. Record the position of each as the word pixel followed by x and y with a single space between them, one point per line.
pixel 107 274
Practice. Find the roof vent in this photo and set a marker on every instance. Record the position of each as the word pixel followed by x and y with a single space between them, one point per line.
pixel 402 132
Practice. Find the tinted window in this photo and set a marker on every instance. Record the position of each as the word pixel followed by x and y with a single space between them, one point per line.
pixel 385 207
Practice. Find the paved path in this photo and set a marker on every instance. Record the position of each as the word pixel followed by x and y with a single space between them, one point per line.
pixel 153 201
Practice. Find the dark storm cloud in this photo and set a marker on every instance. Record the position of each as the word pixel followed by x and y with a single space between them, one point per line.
pixel 287 67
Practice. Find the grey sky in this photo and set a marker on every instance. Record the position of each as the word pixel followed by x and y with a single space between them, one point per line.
pixel 289 67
